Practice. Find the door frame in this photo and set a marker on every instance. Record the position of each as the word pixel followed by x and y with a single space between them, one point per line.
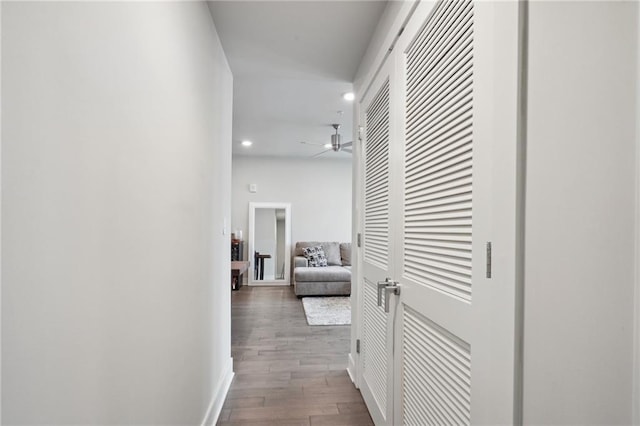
pixel 636 375
pixel 385 75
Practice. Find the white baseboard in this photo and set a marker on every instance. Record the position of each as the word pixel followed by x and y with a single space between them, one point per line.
pixel 269 284
pixel 219 395
pixel 351 369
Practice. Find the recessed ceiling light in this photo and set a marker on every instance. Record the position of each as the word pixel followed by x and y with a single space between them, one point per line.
pixel 349 96
pixel 247 143
pixel 327 145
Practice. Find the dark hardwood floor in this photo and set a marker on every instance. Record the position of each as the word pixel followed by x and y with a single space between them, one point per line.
pixel 287 372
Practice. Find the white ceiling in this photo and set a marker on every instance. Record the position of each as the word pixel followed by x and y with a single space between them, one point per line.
pixel 291 63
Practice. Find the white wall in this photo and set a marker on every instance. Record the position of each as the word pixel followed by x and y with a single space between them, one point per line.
pixel 116 173
pixel 319 192
pixel 580 213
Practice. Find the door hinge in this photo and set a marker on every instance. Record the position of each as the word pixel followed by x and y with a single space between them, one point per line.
pixel 359 239
pixel 358 346
pixel 489 260
pixel 360 130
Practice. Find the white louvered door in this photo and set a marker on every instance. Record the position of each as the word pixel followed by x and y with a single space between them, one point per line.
pixel 378 253
pixel 453 190
pixel 454 362
pixel 435 315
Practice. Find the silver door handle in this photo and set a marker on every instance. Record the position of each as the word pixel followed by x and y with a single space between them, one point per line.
pixel 395 289
pixel 381 285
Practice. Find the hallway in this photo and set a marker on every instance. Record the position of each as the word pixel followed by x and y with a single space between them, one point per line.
pixel 286 372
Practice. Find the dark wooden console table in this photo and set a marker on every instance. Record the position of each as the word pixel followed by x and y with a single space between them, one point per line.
pixel 238 267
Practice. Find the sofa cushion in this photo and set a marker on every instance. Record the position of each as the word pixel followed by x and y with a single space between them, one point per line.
pixel 331 250
pixel 323 288
pixel 315 256
pixel 345 254
pixel 330 273
pixel 300 261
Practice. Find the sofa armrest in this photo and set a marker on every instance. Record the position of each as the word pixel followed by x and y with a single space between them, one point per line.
pixel 300 261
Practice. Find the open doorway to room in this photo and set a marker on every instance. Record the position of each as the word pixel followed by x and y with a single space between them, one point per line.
pixel 286 369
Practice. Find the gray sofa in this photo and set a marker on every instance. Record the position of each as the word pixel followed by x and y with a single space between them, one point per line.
pixel 331 280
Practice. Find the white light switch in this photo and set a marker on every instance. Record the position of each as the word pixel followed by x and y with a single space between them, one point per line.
pixel 253 187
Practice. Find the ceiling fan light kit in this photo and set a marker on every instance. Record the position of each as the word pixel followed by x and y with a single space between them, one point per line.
pixel 335 139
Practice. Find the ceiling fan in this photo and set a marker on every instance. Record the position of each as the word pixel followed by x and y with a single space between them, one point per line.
pixel 335 145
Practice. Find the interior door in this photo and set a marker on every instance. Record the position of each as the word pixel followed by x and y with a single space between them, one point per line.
pixel 378 252
pixel 455 325
pixel 435 318
pixel 451 206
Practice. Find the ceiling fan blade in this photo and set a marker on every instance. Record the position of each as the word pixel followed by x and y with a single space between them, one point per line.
pixel 346 150
pixel 320 153
pixel 348 144
pixel 311 143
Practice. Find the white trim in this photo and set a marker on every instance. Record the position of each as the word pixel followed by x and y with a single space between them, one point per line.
pixel 357 253
pixel 0 209
pixel 635 394
pixel 287 244
pixel 520 206
pixel 219 396
pixel 403 15
pixel 351 370
pixel 269 283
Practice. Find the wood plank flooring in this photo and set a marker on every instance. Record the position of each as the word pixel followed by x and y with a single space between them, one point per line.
pixel 287 372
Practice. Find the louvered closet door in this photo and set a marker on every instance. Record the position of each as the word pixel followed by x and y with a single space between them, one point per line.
pixel 378 256
pixel 438 213
pixel 443 361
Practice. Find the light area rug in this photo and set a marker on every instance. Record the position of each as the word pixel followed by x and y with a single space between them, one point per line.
pixel 327 310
